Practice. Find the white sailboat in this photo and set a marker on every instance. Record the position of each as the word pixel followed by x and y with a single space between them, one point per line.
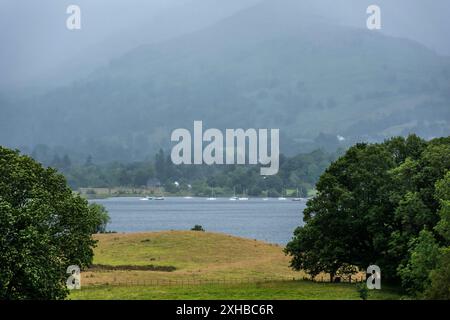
pixel 244 197
pixel 234 198
pixel 297 198
pixel 282 198
pixel 212 197
pixel 161 196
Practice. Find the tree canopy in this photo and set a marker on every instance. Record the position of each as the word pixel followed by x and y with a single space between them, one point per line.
pixel 383 204
pixel 44 228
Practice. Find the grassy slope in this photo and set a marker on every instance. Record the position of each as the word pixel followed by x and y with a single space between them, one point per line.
pixel 201 256
pixel 196 255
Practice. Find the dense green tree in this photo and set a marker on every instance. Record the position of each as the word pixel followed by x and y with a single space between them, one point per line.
pixel 101 217
pixel 348 207
pixel 44 228
pixel 424 254
pixel 443 195
pixel 315 252
pixel 371 207
pixel 198 227
pixel 440 278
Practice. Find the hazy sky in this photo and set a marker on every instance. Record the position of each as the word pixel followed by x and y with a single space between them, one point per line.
pixel 35 41
pixel 35 44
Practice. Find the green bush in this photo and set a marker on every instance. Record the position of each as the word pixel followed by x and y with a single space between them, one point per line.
pixel 440 279
pixel 363 291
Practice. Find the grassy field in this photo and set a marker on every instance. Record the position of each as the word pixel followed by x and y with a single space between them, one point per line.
pixel 206 266
pixel 273 290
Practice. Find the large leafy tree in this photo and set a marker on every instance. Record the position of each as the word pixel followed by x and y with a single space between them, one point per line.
pixel 443 195
pixel 440 276
pixel 44 228
pixel 343 220
pixel 426 271
pixel 414 192
pixel 371 206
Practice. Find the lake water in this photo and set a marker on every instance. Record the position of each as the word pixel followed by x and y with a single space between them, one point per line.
pixel 272 220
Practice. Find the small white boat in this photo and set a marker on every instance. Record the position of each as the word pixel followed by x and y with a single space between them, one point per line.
pixel 161 195
pixel 244 197
pixel 234 198
pixel 283 197
pixel 297 198
pixel 212 197
pixel 187 197
pixel 147 198
pixel 265 199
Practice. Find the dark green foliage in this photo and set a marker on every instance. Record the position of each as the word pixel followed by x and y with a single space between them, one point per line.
pixel 44 228
pixel 443 196
pixel 439 288
pixel 363 291
pixel 101 217
pixel 423 257
pixel 440 276
pixel 198 228
pixel 373 206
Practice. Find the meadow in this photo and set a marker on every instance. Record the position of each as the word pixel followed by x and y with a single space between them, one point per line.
pixel 201 265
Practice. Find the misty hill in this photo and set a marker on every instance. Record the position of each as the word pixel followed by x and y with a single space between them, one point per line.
pixel 39 53
pixel 269 66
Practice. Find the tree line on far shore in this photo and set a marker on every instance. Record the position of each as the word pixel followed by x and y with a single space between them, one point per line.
pixel 299 172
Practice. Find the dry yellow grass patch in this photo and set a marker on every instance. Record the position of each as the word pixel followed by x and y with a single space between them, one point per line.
pixel 195 255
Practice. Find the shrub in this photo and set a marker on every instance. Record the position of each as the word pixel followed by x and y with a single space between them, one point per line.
pixel 363 291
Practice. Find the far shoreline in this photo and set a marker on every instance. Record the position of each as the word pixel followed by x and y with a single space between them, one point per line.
pixel 123 192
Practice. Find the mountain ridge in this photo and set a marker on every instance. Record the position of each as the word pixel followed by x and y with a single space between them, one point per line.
pixel 263 68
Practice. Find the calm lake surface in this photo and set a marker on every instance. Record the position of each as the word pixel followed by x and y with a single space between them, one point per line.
pixel 272 220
